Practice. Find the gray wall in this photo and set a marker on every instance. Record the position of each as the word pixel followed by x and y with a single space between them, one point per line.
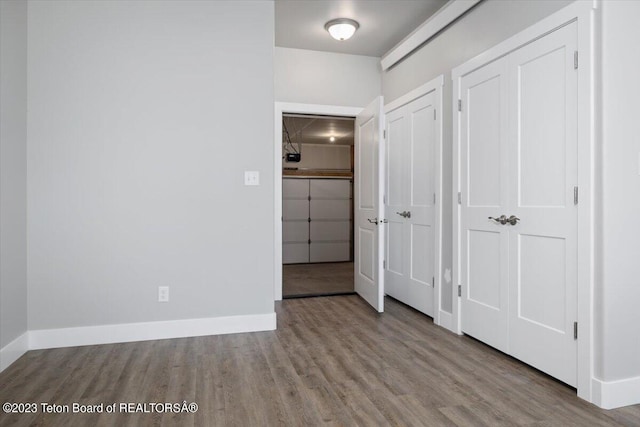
pixel 143 117
pixel 310 77
pixel 618 290
pixel 13 170
pixel 489 23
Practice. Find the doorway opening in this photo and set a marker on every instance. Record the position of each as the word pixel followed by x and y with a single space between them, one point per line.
pixel 317 205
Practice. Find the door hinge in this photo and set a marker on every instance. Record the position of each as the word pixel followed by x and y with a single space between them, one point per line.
pixel 575 330
pixel 384 134
pixel 459 198
pixel 459 290
pixel 433 282
pixel 434 198
pixel 434 114
pixel 384 199
pixel 384 263
pixel 575 60
pixel 459 104
pixel 309 241
pixel 575 195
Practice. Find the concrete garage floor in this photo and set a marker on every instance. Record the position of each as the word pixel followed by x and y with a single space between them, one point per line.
pixel 299 280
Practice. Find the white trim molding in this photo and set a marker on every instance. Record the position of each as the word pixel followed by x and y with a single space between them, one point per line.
pixel 289 107
pixel 13 351
pixel 146 331
pixel 615 394
pixel 443 17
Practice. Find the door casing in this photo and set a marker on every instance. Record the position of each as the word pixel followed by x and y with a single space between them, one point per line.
pixel 288 107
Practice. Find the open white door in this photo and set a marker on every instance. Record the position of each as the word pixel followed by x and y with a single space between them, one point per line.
pixel 368 211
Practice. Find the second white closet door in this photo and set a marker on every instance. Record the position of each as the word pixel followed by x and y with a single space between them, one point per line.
pixel 410 208
pixel 518 158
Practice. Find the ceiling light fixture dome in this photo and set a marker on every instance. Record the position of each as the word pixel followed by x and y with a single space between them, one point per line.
pixel 341 28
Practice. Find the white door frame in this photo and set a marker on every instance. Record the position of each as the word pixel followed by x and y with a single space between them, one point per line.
pixel 440 316
pixel 582 12
pixel 288 107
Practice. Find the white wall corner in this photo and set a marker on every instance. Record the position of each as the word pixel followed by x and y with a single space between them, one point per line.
pixel 108 334
pixel 13 351
pixel 615 394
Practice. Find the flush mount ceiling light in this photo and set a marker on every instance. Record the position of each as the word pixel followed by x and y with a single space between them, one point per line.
pixel 341 28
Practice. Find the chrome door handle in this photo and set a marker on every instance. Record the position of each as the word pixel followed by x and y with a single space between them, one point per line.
pixel 513 220
pixel 501 220
pixel 404 214
pixel 373 221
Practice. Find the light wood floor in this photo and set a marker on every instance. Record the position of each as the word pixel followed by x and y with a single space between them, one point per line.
pixel 332 361
pixel 317 279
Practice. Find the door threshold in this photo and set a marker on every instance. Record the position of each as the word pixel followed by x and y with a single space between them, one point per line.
pixel 330 294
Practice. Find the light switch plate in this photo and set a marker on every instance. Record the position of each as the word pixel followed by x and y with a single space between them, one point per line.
pixel 251 178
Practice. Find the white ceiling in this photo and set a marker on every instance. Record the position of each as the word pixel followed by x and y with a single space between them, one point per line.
pixel 383 23
pixel 318 129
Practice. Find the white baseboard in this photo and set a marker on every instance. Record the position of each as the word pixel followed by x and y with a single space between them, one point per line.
pixel 446 320
pixel 615 394
pixel 12 351
pixel 108 334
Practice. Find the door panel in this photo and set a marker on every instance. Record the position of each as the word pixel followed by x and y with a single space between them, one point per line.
pixel 542 147
pixel 484 254
pixel 330 209
pixel 395 156
pixel 295 231
pixel 485 269
pixel 295 209
pixel 395 179
pixel 542 290
pixel 420 193
pixel 543 281
pixel 410 154
pixel 295 253
pixel 329 230
pixel 421 253
pixel 369 280
pixel 518 156
pixel 485 126
pixel 329 251
pixel 330 189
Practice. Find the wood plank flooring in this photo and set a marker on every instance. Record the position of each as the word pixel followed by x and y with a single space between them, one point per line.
pixel 317 279
pixel 332 361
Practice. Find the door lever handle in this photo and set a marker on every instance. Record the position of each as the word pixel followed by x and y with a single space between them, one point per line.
pixel 500 220
pixel 373 221
pixel 404 214
pixel 513 220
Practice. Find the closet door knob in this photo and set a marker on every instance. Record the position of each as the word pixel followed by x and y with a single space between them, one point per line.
pixel 501 220
pixel 404 214
pixel 513 220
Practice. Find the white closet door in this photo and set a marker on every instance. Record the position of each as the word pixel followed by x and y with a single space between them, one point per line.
pixel 396 195
pixel 483 168
pixel 543 244
pixel 420 191
pixel 409 208
pixel 518 158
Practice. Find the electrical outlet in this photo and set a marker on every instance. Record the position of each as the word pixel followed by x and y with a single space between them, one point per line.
pixel 163 294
